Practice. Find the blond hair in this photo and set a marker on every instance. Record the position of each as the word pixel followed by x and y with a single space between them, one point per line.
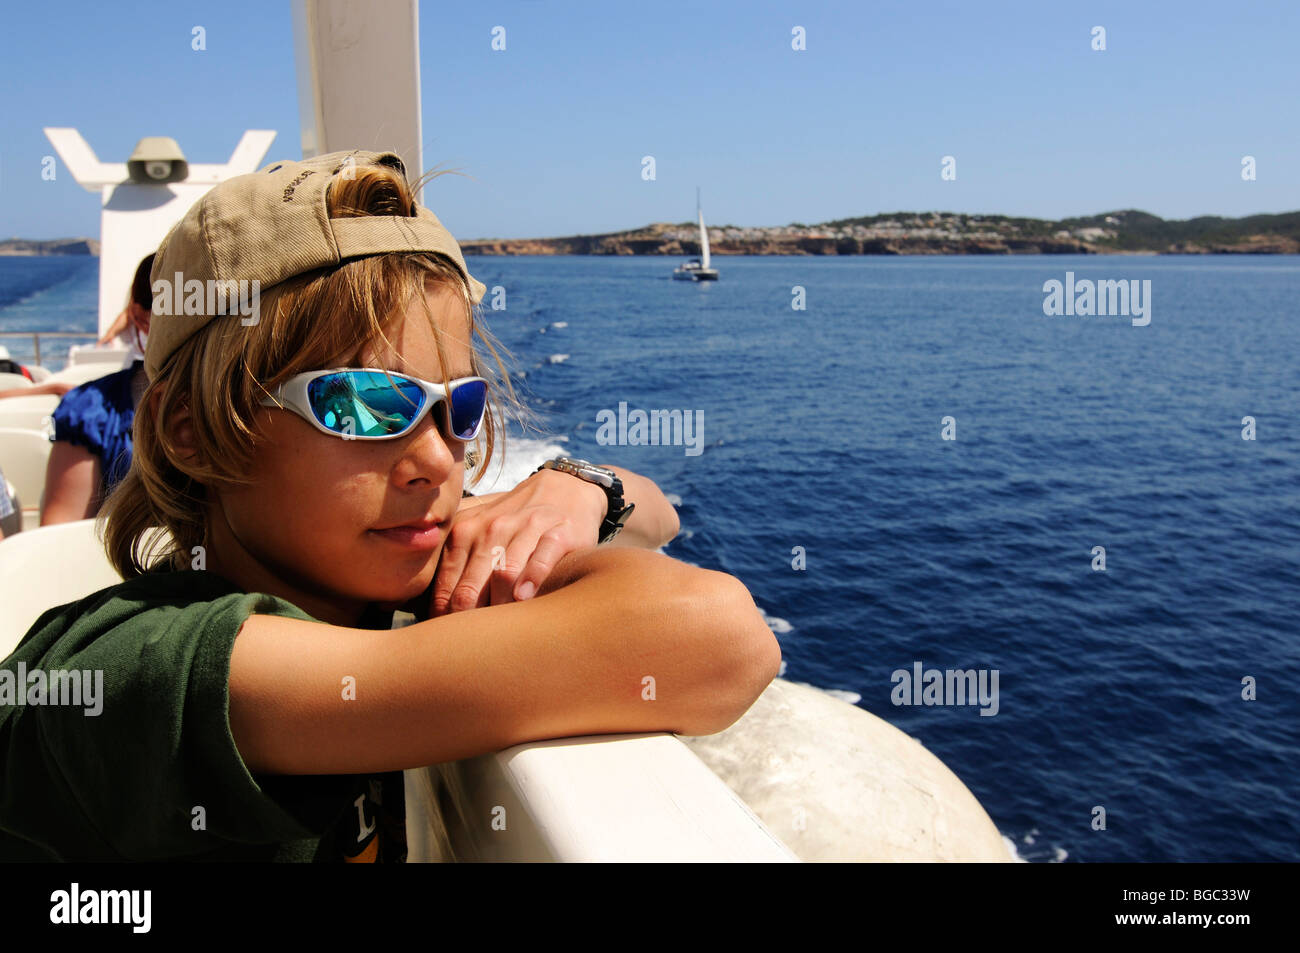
pixel 157 515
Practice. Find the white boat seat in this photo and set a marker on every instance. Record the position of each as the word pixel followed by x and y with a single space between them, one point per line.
pixel 78 374
pixel 8 380
pixel 81 354
pixel 27 413
pixel 23 455
pixel 47 567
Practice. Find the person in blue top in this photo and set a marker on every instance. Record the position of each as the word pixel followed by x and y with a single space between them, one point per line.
pixel 93 422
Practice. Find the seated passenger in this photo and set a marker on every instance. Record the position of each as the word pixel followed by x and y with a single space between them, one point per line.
pixel 92 424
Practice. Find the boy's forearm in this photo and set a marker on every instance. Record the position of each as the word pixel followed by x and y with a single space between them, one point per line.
pixel 574 663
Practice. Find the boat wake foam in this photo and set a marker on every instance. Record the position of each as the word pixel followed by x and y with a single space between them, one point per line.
pixel 775 623
pixel 523 456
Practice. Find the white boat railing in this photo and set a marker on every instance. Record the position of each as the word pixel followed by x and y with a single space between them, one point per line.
pixel 603 798
pixel 83 353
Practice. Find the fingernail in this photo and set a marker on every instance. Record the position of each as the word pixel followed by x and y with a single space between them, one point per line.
pixel 526 591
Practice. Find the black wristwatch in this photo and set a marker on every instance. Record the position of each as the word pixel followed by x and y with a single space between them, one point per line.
pixel 618 512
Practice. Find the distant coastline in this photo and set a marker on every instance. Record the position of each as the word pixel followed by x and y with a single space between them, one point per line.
pixel 1124 232
pixel 936 233
pixel 56 246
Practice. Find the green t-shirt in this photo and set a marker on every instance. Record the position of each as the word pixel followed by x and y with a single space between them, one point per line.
pixel 155 774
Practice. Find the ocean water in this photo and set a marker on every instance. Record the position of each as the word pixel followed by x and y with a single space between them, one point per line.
pixel 822 480
pixel 53 293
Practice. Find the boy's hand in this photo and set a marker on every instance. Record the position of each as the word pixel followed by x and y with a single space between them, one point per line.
pixel 502 550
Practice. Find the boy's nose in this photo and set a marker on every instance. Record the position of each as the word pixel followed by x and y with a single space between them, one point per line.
pixel 427 453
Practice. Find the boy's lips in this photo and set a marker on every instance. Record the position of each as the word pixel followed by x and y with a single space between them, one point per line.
pixel 421 535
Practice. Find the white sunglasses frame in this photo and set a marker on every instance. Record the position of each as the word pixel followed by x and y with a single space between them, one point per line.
pixel 292 396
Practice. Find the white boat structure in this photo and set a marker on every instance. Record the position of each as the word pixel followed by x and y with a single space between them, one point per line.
pixel 801 776
pixel 698 269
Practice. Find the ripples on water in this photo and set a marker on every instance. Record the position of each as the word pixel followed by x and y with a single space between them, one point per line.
pixel 1119 689
pixel 56 293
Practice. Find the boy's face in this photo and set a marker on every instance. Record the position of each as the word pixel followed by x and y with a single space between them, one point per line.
pixel 320 524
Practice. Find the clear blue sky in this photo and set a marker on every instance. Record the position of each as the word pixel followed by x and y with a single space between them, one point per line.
pixel 553 129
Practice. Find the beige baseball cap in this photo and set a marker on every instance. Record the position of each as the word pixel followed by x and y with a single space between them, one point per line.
pixel 270 225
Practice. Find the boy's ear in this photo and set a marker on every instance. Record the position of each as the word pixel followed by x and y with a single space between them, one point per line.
pixel 179 426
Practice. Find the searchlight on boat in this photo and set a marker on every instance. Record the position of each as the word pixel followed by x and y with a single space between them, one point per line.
pixel 157 160
pixel 143 198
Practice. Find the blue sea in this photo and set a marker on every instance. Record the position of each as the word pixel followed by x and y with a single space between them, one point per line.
pixel 1161 689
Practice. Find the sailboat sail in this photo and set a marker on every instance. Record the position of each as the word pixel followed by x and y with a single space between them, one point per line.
pixel 704 240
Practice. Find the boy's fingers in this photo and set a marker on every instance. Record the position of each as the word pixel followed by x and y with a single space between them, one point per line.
pixel 466 563
pixel 488 573
pixel 551 548
pixel 451 567
pixel 470 590
pixel 491 568
pixel 507 563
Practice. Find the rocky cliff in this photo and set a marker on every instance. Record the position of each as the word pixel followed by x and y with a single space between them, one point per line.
pixel 58 246
pixel 934 233
pixel 674 247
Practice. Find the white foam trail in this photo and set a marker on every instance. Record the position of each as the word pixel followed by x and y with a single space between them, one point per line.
pixel 778 625
pixel 843 695
pixel 559 324
pixel 673 498
pixel 523 456
pixel 1011 849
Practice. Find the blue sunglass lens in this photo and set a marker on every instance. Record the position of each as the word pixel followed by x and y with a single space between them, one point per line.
pixel 365 403
pixel 468 402
pixel 371 404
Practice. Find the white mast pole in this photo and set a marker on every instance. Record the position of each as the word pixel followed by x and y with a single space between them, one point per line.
pixel 359 77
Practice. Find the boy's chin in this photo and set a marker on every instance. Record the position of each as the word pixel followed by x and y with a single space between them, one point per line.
pixel 414 598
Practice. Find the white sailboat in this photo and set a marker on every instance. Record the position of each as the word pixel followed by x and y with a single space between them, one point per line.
pixel 698 269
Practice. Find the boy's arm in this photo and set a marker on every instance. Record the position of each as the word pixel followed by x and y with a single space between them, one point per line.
pixel 572 661
pixel 56 388
pixel 72 477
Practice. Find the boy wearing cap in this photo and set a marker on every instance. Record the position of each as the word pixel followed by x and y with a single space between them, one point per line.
pixel 309 470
